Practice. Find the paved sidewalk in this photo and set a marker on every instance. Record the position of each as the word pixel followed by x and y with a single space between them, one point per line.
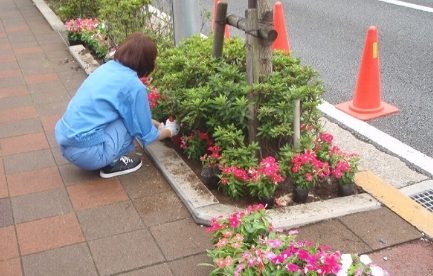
pixel 56 219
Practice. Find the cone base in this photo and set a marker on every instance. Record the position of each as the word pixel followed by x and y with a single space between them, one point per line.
pixel 367 114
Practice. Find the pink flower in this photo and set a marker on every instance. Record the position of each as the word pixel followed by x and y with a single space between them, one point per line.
pixel 292 267
pixel 220 263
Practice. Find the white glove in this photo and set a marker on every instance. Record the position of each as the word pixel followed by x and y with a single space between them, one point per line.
pixel 161 126
pixel 173 127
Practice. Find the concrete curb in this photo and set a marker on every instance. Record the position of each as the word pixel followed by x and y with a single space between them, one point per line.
pixel 55 23
pixel 414 158
pixel 204 206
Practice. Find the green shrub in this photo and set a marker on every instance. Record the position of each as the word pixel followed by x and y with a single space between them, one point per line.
pixel 71 9
pixel 211 95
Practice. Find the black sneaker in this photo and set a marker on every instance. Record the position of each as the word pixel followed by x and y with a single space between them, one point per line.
pixel 122 166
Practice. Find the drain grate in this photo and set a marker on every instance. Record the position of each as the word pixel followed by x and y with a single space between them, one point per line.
pixel 425 199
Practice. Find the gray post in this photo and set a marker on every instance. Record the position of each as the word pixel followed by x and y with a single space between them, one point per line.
pixel 186 19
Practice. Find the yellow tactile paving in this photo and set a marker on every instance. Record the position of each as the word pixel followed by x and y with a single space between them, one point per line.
pixel 413 212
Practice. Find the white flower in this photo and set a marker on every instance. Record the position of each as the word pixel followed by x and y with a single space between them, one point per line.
pixel 342 273
pixel 376 271
pixel 365 259
pixel 346 262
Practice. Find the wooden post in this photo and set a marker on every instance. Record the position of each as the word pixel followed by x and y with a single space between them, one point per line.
pixel 252 62
pixel 264 31
pixel 265 14
pixel 220 24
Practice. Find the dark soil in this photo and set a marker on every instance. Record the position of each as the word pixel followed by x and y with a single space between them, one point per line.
pixel 323 190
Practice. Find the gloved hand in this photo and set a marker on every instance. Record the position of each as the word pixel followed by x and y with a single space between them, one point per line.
pixel 161 126
pixel 172 126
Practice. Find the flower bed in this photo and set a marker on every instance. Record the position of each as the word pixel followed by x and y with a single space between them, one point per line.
pixel 246 243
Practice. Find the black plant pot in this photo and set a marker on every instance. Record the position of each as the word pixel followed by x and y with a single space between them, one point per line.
pixel 300 195
pixel 345 190
pixel 268 202
pixel 75 42
pixel 210 177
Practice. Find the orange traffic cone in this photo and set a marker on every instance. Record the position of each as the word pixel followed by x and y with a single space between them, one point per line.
pixel 282 41
pixel 226 30
pixel 366 103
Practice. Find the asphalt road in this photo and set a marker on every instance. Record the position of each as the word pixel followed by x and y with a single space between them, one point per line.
pixel 330 35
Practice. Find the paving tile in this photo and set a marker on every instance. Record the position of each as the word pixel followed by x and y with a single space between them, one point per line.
pixel 40 205
pixel 18 113
pixel 52 52
pixel 380 228
pixel 109 220
pixel 34 64
pixel 125 252
pixel 11 267
pixel 60 65
pixel 49 122
pixel 26 71
pixel 28 50
pixel 3 185
pixel 5 46
pixel 11 82
pixel 49 233
pixel 72 175
pixel 334 234
pixel 34 181
pixel 398 258
pixel 189 266
pixel 5 49
pixel 7 58
pixel 8 64
pixel 4 74
pixel 51 97
pixel 138 185
pixel 51 37
pixel 16 28
pixel 13 91
pixel 24 33
pixel 151 207
pixel 9 14
pixel 31 56
pixel 51 108
pixel 155 270
pixel 48 86
pixel 23 143
pixel 21 38
pixel 52 139
pixel 14 102
pixel 6 216
pixel 28 161
pixel 181 238
pixel 9 245
pixel 69 260
pixel 40 78
pixel 72 81
pixel 96 193
pixel 21 127
pixel 58 157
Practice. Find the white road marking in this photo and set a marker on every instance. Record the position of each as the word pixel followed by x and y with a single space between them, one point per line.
pixel 409 5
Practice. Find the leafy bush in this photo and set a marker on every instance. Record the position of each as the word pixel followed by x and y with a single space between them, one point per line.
pixel 71 9
pixel 211 94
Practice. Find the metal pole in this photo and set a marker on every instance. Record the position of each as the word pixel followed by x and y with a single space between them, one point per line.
pixel 297 125
pixel 186 19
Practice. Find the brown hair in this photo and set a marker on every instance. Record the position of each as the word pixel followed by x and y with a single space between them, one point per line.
pixel 138 52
